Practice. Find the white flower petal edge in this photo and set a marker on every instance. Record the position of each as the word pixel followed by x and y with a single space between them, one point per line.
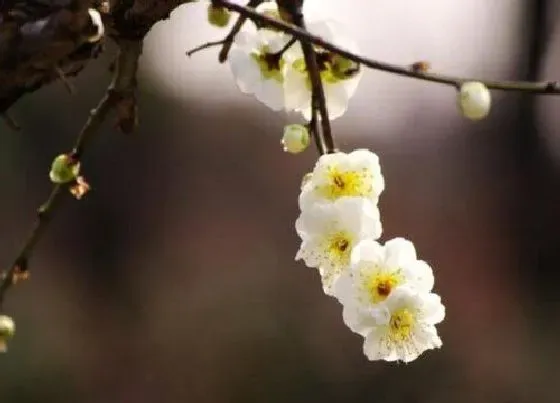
pixel 329 231
pixel 405 326
pixel 357 174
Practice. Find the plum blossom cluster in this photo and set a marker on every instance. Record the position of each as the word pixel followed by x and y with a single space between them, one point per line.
pixel 270 65
pixel 385 291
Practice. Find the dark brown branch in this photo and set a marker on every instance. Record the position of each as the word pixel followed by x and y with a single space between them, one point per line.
pixel 228 40
pixel 547 87
pixel 318 99
pixel 122 86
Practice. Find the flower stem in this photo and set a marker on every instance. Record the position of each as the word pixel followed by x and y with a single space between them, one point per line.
pixel 123 84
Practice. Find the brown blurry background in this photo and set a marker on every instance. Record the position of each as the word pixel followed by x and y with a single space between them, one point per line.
pixel 174 279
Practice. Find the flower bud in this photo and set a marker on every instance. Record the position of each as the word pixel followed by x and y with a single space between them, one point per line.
pixel 64 169
pixel 7 330
pixel 218 16
pixel 295 138
pixel 474 100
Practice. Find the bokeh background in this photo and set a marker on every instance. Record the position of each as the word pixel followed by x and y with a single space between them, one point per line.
pixel 174 280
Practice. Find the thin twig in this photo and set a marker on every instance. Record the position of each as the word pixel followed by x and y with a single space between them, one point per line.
pixel 205 46
pixel 318 100
pixel 62 76
pixel 228 40
pixel 10 122
pixel 314 130
pixel 124 83
pixel 547 87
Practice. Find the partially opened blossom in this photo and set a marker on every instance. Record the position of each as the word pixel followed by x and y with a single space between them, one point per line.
pixel 376 271
pixel 329 232
pixel 258 67
pixel 339 76
pixel 336 175
pixel 404 326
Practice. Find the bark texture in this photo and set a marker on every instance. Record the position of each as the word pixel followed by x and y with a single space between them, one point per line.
pixel 42 40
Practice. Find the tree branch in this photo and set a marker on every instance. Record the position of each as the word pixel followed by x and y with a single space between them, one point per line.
pixel 122 87
pixel 318 100
pixel 547 87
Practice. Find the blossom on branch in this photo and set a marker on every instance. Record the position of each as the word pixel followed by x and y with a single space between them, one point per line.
pixel 356 174
pixel 340 77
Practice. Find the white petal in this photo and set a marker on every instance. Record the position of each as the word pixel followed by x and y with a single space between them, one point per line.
pixel 271 93
pixel 399 252
pixel 296 93
pixel 376 346
pixel 433 309
pixel 245 70
pixel 367 251
pixel 420 274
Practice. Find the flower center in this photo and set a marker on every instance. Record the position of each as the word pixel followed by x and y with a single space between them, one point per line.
pixel 346 183
pixel 339 247
pixel 401 325
pixel 380 285
pixel 270 64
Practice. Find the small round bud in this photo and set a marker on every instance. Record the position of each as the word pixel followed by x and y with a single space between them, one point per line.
pixel 97 23
pixel 295 138
pixel 343 68
pixel 7 327
pixel 474 100
pixel 218 16
pixel 7 330
pixel 64 169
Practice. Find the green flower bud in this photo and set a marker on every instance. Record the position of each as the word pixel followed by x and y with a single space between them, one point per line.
pixel 7 330
pixel 343 68
pixel 218 16
pixel 64 169
pixel 295 138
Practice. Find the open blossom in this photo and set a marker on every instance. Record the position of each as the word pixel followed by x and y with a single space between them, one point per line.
pixel 339 76
pixel 405 326
pixel 357 174
pixel 258 67
pixel 376 271
pixel 329 232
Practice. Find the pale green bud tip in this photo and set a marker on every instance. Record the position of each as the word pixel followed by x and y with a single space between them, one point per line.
pixel 295 138
pixel 64 169
pixel 7 330
pixel 344 68
pixel 218 16
pixel 474 100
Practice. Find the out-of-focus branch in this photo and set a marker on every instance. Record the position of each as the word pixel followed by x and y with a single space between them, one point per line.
pixel 121 89
pixel 547 87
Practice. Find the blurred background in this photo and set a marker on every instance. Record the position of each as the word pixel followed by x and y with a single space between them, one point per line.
pixel 174 280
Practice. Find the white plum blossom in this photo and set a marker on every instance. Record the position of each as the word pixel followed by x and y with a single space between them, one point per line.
pixel 258 67
pixel 336 175
pixel 340 77
pixel 329 232
pixel 375 272
pixel 404 326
